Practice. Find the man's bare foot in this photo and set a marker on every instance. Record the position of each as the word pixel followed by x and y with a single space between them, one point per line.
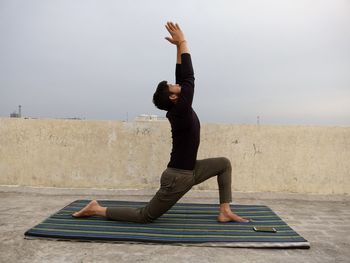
pixel 91 209
pixel 226 215
pixel 230 216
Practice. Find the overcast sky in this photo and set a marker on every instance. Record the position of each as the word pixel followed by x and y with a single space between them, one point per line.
pixel 287 61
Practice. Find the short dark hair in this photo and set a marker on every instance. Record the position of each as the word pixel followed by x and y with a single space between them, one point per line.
pixel 161 96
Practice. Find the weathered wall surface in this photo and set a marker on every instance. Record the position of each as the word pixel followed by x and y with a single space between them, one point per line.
pixel 111 154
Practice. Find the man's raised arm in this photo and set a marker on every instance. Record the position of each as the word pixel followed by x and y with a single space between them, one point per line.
pixel 178 73
pixel 184 72
pixel 177 38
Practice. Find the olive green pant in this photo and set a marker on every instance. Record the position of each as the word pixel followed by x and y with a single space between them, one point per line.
pixel 174 183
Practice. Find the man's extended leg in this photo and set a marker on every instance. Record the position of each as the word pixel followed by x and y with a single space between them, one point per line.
pixel 221 167
pixel 174 183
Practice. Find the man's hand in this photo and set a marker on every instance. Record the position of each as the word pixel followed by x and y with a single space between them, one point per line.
pixel 177 36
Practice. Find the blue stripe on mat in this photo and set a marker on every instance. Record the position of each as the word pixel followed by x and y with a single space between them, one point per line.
pixel 184 223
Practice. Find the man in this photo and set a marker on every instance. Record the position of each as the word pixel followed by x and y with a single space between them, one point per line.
pixel 184 170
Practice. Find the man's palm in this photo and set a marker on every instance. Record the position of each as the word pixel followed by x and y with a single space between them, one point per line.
pixel 172 41
pixel 176 33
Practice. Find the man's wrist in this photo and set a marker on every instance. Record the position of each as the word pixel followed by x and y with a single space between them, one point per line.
pixel 181 42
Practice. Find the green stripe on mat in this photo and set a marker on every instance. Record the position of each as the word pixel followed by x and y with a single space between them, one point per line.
pixel 163 229
pixel 174 224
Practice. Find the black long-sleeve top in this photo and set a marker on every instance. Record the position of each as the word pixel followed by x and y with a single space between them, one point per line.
pixel 185 125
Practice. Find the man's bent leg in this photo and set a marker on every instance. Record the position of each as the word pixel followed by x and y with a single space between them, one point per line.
pixel 221 167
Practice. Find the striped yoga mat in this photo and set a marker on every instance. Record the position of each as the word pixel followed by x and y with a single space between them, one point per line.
pixel 184 223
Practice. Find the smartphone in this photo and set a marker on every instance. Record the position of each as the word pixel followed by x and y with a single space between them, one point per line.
pixel 265 229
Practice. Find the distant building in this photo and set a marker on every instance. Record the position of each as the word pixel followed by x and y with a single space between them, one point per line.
pixel 149 117
pixel 15 114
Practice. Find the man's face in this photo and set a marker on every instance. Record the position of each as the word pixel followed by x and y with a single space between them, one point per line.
pixel 175 90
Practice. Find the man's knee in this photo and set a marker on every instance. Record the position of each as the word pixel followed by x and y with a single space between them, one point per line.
pixel 226 162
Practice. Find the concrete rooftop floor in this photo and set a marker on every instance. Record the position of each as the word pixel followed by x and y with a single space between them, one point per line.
pixel 323 220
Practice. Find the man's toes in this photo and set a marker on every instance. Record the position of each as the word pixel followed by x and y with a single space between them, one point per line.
pixel 75 214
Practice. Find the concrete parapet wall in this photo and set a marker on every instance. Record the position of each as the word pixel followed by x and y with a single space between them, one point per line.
pixel 132 155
